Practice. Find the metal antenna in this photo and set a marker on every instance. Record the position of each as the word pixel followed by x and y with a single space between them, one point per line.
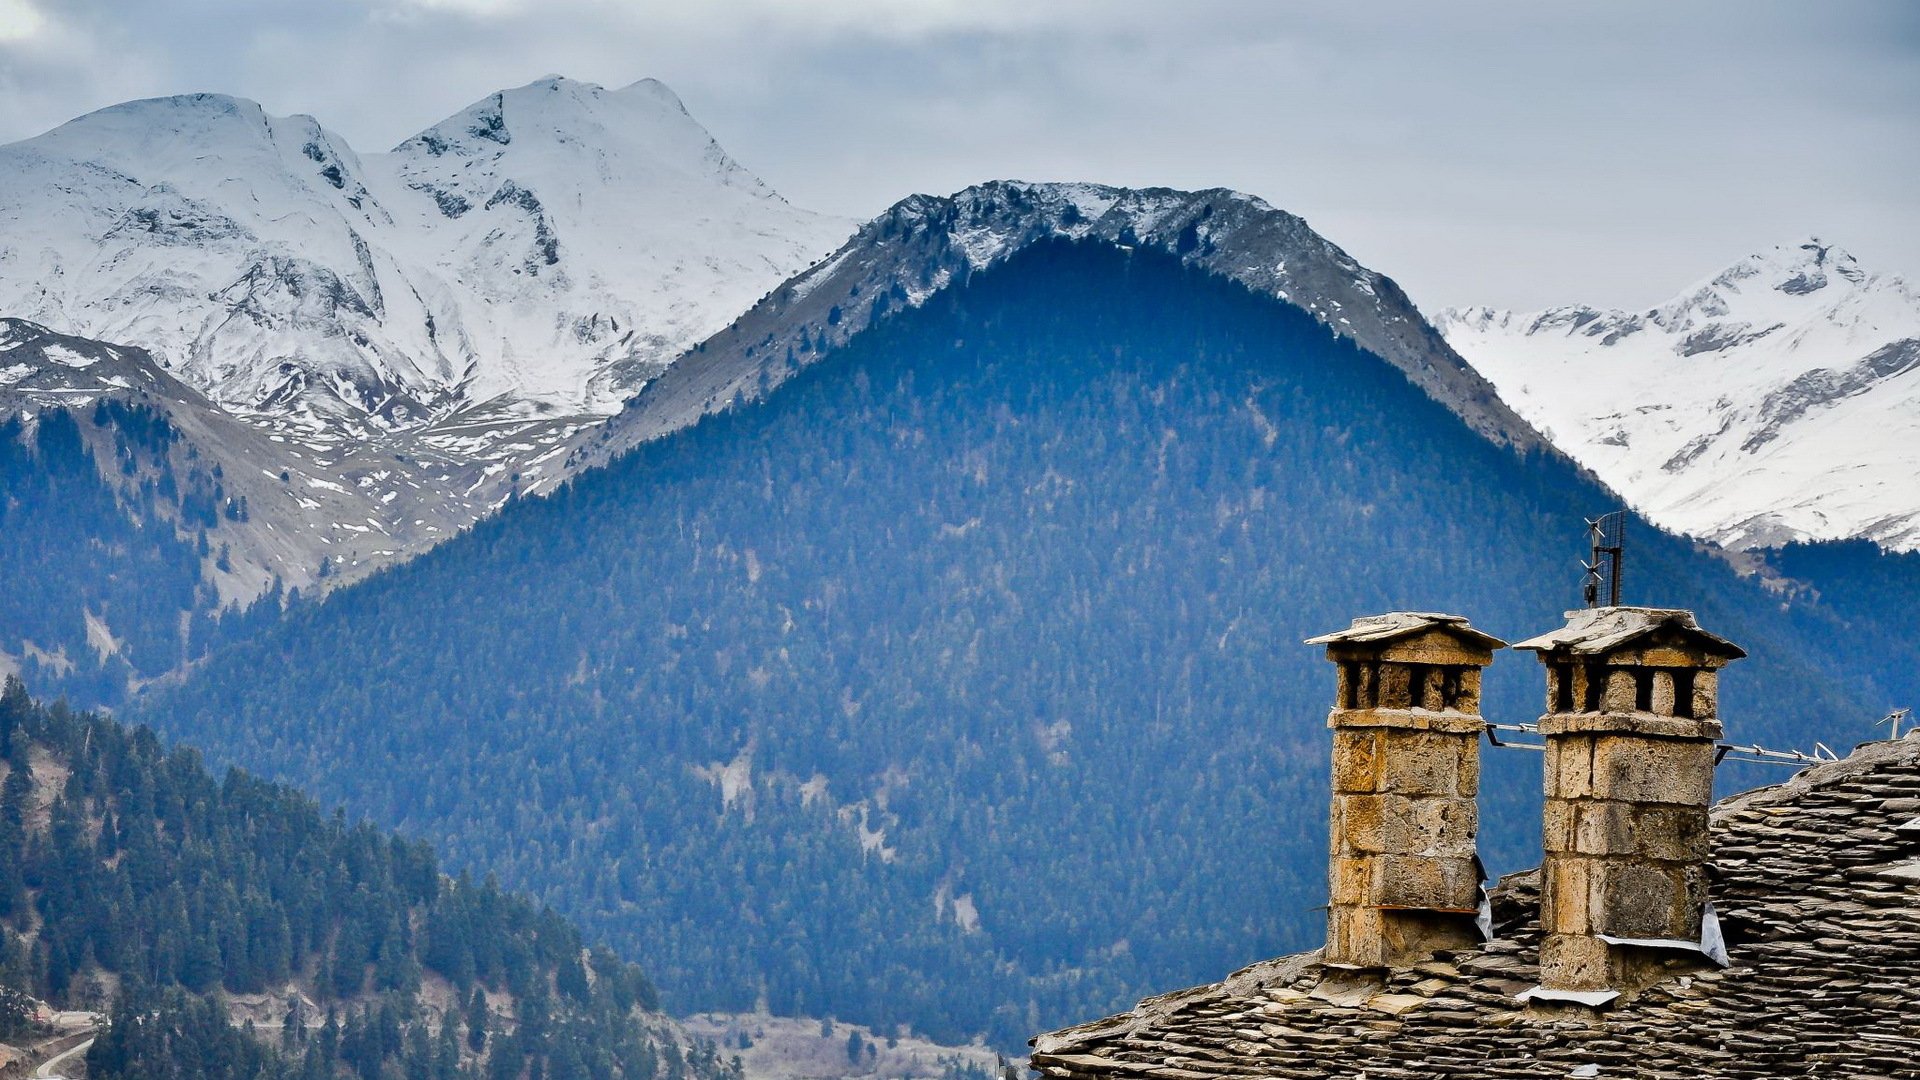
pixel 1894 719
pixel 1608 535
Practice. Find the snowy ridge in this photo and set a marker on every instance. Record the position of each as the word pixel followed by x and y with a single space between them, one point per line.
pixel 1778 400
pixel 924 243
pixel 461 304
pixel 368 504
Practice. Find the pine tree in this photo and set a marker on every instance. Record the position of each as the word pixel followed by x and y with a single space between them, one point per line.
pixel 477 1021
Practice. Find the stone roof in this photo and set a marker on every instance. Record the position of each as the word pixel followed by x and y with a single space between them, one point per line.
pixel 1394 625
pixel 1817 886
pixel 1594 631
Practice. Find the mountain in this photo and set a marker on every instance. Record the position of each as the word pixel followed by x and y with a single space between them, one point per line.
pixel 362 354
pixel 949 673
pixel 1777 401
pixel 130 875
pixel 417 326
pixel 925 243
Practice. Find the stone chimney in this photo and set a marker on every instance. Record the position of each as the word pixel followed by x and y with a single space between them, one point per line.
pixel 1403 878
pixel 1631 722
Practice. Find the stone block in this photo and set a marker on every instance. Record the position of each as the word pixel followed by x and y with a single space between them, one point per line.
pixel 1349 880
pixel 1569 767
pixel 1557 825
pixel 1423 763
pixel 1566 889
pixel 1644 900
pixel 1652 771
pixel 1582 673
pixel 1467 782
pixel 1706 695
pixel 1663 692
pixel 1620 692
pixel 1436 647
pixel 1555 673
pixel 1357 760
pixel 1356 936
pixel 1468 700
pixel 1359 824
pixel 1629 723
pixel 1667 655
pixel 1672 833
pixel 1395 687
pixel 1444 827
pixel 1574 962
pixel 1605 828
pixel 1416 881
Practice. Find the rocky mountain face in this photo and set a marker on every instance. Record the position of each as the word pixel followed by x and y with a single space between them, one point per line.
pixel 925 243
pixel 412 330
pixel 1777 401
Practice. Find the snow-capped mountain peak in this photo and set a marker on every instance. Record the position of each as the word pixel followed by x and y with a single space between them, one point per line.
pixel 558 121
pixel 485 288
pixel 555 242
pixel 1775 400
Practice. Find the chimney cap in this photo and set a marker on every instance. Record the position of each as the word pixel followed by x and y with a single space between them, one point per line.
pixel 1394 625
pixel 1602 630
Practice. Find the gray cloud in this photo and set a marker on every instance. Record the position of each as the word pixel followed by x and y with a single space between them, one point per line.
pixel 1510 153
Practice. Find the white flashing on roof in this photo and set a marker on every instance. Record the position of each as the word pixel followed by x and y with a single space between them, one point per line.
pixel 1595 998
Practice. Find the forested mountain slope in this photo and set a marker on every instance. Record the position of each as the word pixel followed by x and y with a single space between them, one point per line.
pixel 958 681
pixel 1874 595
pixel 116 531
pixel 129 872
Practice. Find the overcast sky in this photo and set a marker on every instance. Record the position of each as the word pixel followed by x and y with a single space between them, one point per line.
pixel 1516 154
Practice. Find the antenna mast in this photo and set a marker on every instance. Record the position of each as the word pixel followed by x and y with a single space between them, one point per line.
pixel 1608 534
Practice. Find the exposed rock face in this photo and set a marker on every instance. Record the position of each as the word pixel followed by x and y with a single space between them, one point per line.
pixel 364 502
pixel 1817 879
pixel 923 243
